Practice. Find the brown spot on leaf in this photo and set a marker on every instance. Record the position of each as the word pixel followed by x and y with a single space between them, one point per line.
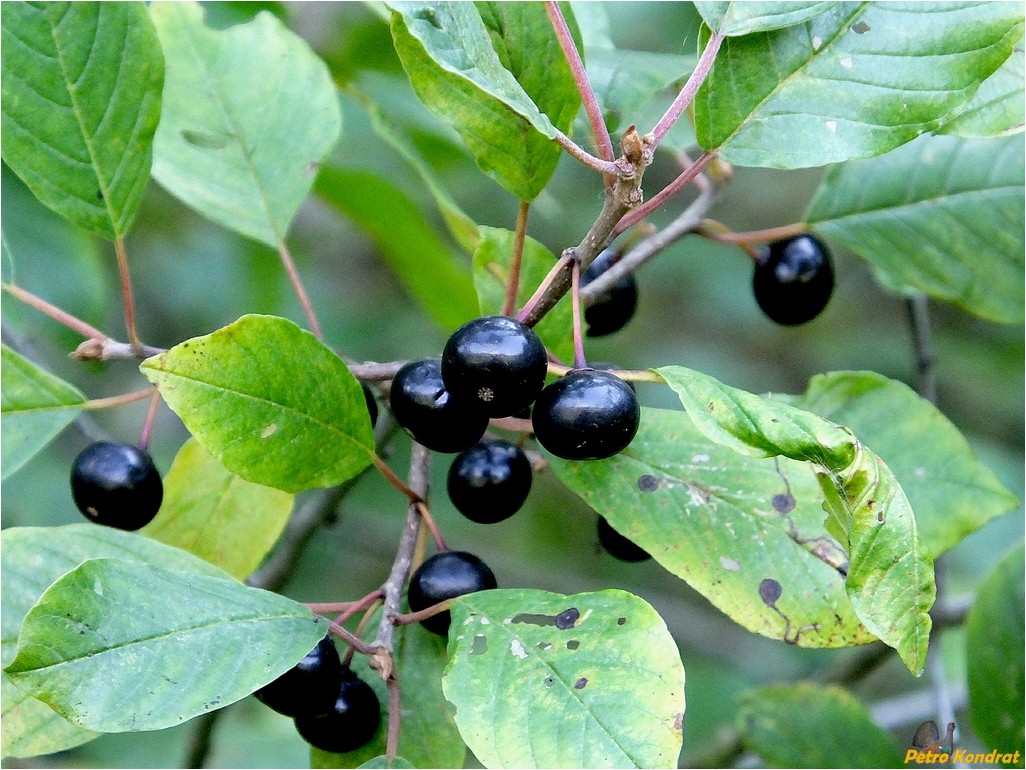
pixel 783 503
pixel 648 483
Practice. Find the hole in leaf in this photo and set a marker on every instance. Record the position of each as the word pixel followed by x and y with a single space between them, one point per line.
pixel 479 645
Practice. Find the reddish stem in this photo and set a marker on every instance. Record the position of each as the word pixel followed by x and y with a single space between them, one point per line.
pixel 126 292
pixel 394 717
pixel 429 521
pixel 674 187
pixel 607 167
pixel 151 414
pixel 687 93
pixel 516 260
pixel 125 398
pixel 573 58
pixel 297 287
pixel 720 232
pixel 54 312
pixel 395 481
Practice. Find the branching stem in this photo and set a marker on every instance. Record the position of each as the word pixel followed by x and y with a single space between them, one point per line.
pixel 660 198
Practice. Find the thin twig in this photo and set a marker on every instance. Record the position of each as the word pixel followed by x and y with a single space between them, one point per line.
pixel 516 259
pixel 720 232
pixel 575 298
pixel 648 247
pixel 62 317
pixel 922 340
pixel 573 58
pixel 151 415
pixel 126 292
pixel 687 93
pixel 404 619
pixel 660 198
pixel 395 481
pixel 124 398
pixel 297 287
pixel 394 713
pixel 630 375
pixel 370 371
pixel 607 167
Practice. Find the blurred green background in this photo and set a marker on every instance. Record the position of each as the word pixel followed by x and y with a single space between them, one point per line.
pixel 696 309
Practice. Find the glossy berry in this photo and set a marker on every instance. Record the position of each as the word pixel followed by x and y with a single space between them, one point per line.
pixel 496 363
pixel 618 546
pixel 793 280
pixel 309 687
pixel 429 413
pixel 116 484
pixel 490 481
pixel 586 415
pixel 447 575
pixel 350 722
pixel 614 307
pixel 372 405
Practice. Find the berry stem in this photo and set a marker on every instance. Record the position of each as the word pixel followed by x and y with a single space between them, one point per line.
pixel 404 619
pixel 660 198
pixel 394 480
pixel 124 398
pixel 714 230
pixel 630 375
pixel 126 293
pixel 151 415
pixel 516 260
pixel 575 297
pixel 687 93
pixel 718 231
pixel 370 371
pixel 351 639
pixel 429 521
pixel 368 613
pixel 297 287
pixel 580 75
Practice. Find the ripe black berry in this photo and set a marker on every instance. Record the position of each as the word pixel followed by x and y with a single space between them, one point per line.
pixel 490 481
pixel 586 415
pixel 614 307
pixel 116 484
pixel 496 363
pixel 349 723
pixel 430 413
pixel 619 546
pixel 309 687
pixel 372 405
pixel 793 279
pixel 447 575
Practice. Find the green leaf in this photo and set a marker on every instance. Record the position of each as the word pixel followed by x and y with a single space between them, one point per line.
pixel 744 18
pixel 428 737
pixel 32 559
pixel 813 725
pixel 81 100
pixel 448 54
pixel 106 635
pixel 890 575
pixel 433 274
pixel 994 644
pixel 951 491
pixel 694 505
pixel 852 82
pixel 382 762
pixel 491 274
pixel 941 215
pixel 212 513
pixel 249 113
pixel 270 402
pixel 998 107
pixel 34 407
pixel 545 680
pixel 461 227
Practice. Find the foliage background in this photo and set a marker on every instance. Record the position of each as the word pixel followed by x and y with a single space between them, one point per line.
pixel 192 277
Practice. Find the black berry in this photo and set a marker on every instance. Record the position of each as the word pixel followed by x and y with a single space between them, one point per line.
pixel 350 722
pixel 614 307
pixel 372 405
pixel 586 415
pixel 496 363
pixel 619 546
pixel 447 575
pixel 116 484
pixel 793 280
pixel 309 687
pixel 429 413
pixel 490 481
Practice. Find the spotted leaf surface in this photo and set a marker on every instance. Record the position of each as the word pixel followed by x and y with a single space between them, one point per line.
pixel 545 680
